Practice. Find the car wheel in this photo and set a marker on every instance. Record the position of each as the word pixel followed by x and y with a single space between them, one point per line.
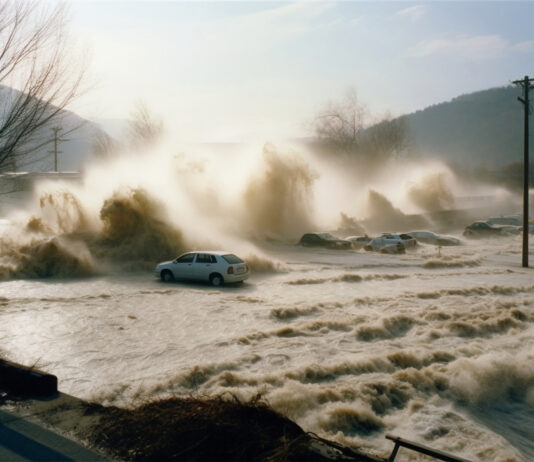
pixel 167 276
pixel 216 279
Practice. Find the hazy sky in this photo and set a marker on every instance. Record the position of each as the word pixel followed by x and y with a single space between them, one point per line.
pixel 229 71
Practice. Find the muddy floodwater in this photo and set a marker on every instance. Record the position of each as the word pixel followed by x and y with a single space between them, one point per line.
pixel 435 345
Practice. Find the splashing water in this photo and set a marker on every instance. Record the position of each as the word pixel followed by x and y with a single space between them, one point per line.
pixel 131 212
pixel 433 346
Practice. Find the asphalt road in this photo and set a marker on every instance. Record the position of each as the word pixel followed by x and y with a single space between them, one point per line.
pixel 21 440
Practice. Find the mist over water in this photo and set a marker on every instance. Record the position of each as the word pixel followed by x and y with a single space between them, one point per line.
pixel 138 208
pixel 433 345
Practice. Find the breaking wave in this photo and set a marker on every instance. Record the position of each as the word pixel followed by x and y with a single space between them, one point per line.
pixel 352 420
pixel 452 263
pixel 492 377
pixel 260 264
pixel 347 277
pixel 278 201
pixel 395 326
pixel 432 193
pixel 47 258
pixel 133 233
pixel 136 230
pixel 286 314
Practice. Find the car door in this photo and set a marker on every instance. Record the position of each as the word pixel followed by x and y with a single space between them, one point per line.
pixel 203 266
pixel 182 267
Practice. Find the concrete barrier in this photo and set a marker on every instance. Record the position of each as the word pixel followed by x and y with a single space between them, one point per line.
pixel 22 380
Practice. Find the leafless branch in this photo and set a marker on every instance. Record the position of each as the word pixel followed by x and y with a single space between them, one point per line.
pixel 37 79
pixel 143 128
pixel 346 128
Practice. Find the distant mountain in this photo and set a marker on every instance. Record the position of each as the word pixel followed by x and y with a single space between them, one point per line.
pixel 76 136
pixel 478 130
pixel 482 129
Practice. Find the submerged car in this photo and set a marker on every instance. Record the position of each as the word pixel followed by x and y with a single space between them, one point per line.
pixel 428 237
pixel 379 245
pixel 510 220
pixel 484 229
pixel 359 242
pixel 326 240
pixel 391 243
pixel 216 267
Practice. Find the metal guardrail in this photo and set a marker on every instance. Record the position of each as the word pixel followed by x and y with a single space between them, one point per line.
pixel 441 455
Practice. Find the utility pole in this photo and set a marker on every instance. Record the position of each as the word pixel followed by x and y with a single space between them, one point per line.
pixel 526 84
pixel 55 151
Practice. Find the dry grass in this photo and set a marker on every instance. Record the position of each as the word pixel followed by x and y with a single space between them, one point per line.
pixel 216 429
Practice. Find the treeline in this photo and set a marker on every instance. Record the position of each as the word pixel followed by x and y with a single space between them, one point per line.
pixel 478 134
pixel 478 129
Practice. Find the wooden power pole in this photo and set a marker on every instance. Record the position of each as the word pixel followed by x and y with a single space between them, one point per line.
pixel 55 151
pixel 526 84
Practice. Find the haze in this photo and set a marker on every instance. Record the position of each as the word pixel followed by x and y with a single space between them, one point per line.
pixel 241 71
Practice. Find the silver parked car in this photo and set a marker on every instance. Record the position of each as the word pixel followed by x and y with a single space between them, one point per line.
pixel 217 267
pixel 391 243
pixel 428 237
pixel 484 229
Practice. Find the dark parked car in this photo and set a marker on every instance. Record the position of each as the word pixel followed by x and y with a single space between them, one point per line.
pixel 324 240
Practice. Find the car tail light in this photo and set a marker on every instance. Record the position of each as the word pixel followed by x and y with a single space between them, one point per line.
pixel 230 270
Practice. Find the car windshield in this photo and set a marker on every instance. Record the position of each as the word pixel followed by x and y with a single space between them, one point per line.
pixel 232 259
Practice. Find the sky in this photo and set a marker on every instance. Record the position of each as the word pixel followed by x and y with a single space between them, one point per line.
pixel 237 71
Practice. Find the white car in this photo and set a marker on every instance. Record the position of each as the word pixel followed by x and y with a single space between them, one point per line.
pixel 217 267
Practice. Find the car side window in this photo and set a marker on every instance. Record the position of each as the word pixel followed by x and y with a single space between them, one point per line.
pixel 187 258
pixel 205 258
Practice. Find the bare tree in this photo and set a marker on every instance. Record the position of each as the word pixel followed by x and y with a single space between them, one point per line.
pixel 347 128
pixel 143 128
pixel 340 124
pixel 37 80
pixel 104 145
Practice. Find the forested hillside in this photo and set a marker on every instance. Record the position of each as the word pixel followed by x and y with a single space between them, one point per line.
pixel 482 129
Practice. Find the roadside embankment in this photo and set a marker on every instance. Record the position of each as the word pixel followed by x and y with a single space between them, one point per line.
pixel 218 428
